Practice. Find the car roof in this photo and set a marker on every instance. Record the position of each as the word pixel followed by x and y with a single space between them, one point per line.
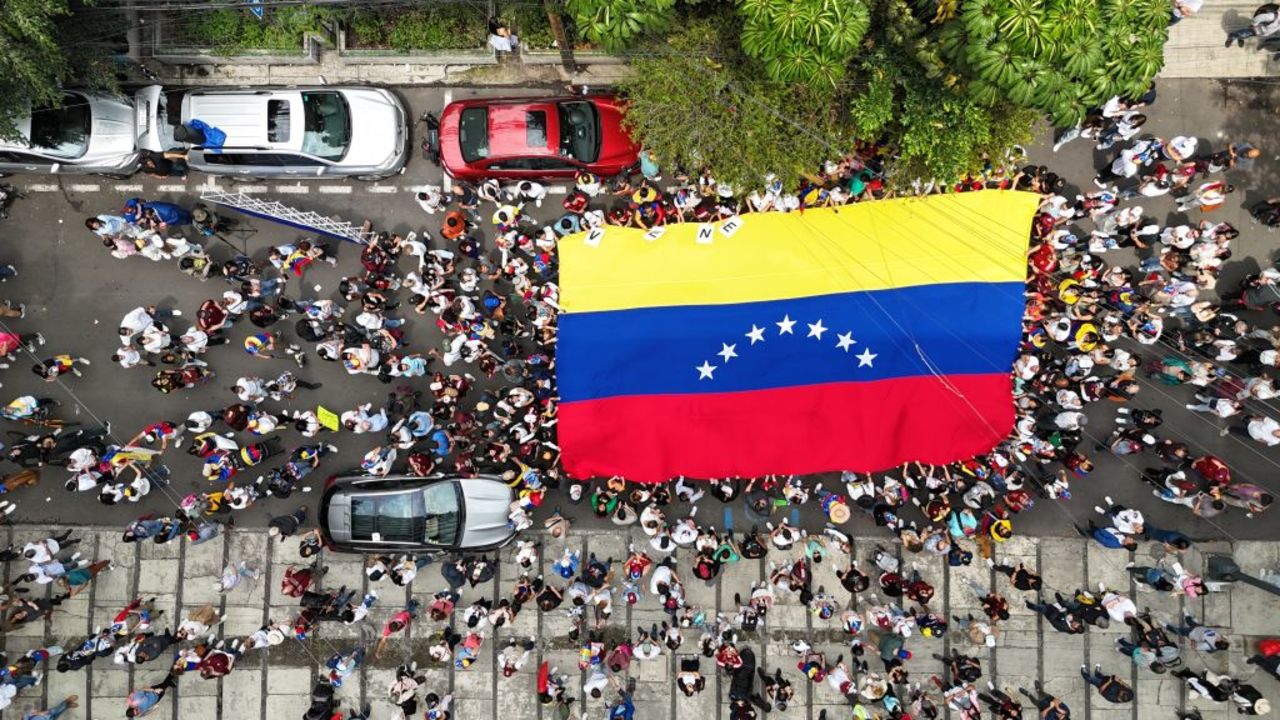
pixel 509 130
pixel 242 115
pixel 366 480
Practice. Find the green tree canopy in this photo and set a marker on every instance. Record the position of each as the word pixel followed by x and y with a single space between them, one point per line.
pixel 932 132
pixel 698 104
pixel 1060 57
pixel 44 47
pixel 617 24
pixel 809 41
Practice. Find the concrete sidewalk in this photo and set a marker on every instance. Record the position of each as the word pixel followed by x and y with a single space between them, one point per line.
pixel 332 68
pixel 274 684
pixel 1196 45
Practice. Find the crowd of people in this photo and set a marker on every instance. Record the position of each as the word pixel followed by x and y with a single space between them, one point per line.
pixel 486 279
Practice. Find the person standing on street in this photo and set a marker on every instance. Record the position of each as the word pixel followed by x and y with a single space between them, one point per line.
pixel 1264 23
pixel 144 700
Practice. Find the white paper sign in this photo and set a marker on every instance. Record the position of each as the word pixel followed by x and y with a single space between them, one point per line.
pixel 731 226
pixel 594 237
pixel 706 233
pixel 655 232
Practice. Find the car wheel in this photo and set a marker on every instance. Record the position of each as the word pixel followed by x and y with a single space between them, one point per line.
pixel 115 176
pixel 244 179
pixel 370 178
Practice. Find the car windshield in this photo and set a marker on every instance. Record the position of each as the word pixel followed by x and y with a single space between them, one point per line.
pixel 64 131
pixel 327 132
pixel 388 517
pixel 442 516
pixel 579 131
pixel 473 134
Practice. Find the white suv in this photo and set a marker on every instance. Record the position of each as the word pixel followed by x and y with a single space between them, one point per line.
pixel 91 132
pixel 299 133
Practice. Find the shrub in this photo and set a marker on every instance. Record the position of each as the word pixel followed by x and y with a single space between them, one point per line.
pixel 434 27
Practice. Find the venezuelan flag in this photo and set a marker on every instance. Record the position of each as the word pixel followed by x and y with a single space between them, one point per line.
pixel 855 338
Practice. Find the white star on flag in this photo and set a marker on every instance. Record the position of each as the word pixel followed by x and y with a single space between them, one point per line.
pixel 727 351
pixel 784 327
pixel 756 334
pixel 816 329
pixel 846 341
pixel 705 370
pixel 864 360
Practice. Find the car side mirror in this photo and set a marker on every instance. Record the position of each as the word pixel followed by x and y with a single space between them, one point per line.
pixel 320 170
pixel 375 537
pixel 56 167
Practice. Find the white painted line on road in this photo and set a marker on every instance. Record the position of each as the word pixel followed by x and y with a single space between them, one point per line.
pixel 383 189
pixel 336 189
pixel 42 188
pixel 448 98
pixel 86 187
pixel 171 188
pixel 128 188
pixel 293 189
pixel 254 188
pixel 557 190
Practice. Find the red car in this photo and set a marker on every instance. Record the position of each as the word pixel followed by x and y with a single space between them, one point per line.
pixel 534 138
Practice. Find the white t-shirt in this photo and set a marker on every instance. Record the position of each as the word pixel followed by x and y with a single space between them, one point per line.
pixel 135 321
pixel 1263 430
pixel 1182 147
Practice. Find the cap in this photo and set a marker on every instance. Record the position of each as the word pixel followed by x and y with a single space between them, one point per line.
pixel 644 195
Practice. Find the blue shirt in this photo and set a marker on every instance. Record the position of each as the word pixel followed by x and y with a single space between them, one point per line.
pixel 112 225
pixel 624 710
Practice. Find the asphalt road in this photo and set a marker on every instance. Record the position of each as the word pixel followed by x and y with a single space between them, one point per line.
pixel 76 294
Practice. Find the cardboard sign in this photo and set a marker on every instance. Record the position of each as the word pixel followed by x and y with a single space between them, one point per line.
pixel 328 418
pixel 706 233
pixel 731 226
pixel 594 237
pixel 655 232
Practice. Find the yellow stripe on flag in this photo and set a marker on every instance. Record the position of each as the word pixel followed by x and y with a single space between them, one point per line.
pixel 964 237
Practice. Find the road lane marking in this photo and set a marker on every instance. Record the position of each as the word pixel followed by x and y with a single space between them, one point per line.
pixel 171 188
pixel 254 188
pixel 383 189
pixel 41 187
pixel 336 189
pixel 86 187
pixel 128 188
pixel 293 189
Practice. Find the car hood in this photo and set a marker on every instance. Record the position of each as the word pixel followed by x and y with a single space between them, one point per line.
pixel 378 128
pixel 114 129
pixel 150 119
pixel 616 146
pixel 487 503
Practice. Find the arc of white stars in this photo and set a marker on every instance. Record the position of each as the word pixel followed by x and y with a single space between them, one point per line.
pixel 786 326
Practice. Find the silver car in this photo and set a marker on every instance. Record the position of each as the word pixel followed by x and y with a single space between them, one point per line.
pixel 91 133
pixel 301 133
pixel 415 514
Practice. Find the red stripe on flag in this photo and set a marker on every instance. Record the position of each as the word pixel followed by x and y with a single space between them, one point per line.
pixel 650 438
